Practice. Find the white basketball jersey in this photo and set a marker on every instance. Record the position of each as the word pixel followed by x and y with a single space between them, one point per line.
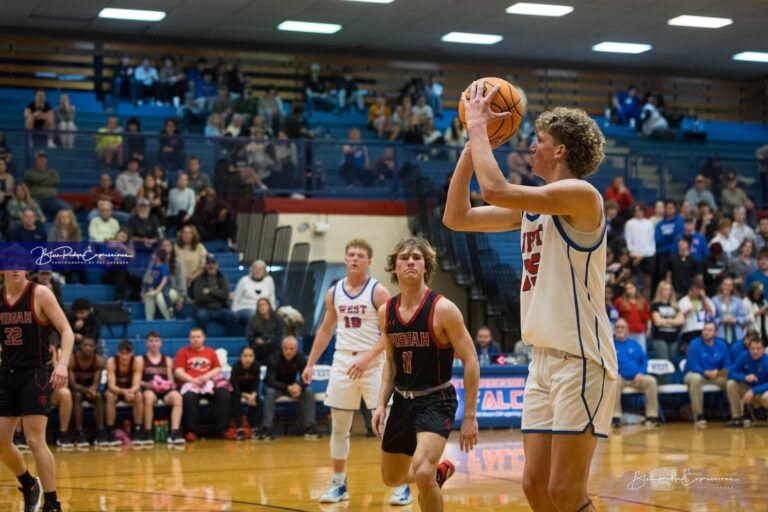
pixel 357 324
pixel 562 293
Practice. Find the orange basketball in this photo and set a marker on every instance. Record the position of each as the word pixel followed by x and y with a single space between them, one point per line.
pixel 506 100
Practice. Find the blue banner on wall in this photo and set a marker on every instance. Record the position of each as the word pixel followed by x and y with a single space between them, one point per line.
pixel 500 400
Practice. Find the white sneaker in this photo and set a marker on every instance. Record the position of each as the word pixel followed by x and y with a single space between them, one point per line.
pixel 336 492
pixel 401 495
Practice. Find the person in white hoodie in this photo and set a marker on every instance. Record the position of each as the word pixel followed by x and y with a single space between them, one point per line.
pixel 250 289
pixel 639 234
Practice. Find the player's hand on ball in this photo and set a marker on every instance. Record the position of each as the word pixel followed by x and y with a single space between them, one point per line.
pixel 477 107
pixel 468 435
pixel 59 377
pixel 357 369
pixel 377 421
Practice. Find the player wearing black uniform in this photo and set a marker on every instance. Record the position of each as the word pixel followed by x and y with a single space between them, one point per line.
pixel 28 313
pixel 85 378
pixel 157 380
pixel 124 383
pixel 423 331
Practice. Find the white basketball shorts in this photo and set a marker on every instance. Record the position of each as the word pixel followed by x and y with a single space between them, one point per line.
pixel 345 393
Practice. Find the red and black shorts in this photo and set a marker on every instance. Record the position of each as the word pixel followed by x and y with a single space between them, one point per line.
pixel 434 412
pixel 25 392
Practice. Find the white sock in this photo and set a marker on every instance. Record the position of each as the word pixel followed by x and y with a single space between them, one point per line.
pixel 340 477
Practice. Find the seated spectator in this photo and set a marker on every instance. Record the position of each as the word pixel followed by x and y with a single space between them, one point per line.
pixel 715 267
pixel 171 153
pixel 487 348
pixel 152 192
pixel 740 230
pixel 127 285
pixel 708 362
pixel 435 95
pixel 633 308
pixel 456 136
pixel 124 384
pixel 84 322
pixel 178 280
pixel 667 320
pixel 733 196
pixel 43 183
pixel 617 191
pixel 158 384
pixel 247 104
pixel 106 191
pixel 38 116
pixel 265 330
pixel 28 230
pixel 123 81
pixel 85 369
pixel 192 115
pixel 223 105
pixel 109 145
pixel 639 234
pixel 271 107
pixel 195 77
pixel 214 219
pixel 147 79
pixel 695 307
pixel 422 112
pixel 316 92
pixel 380 119
pixel 633 372
pixel 708 220
pixel 7 184
pixel 698 244
pixel 105 226
pixel 172 83
pixel 143 227
pixel 198 374
pixel 283 379
pixel 198 180
pixel 653 123
pixel 406 122
pixel 161 181
pixel 66 229
pixel 692 128
pixel 728 242
pixel 350 93
pixel 245 379
pixel 206 91
pixel 190 252
pixel 744 264
pixel 128 184
pixel 181 203
pixel 258 284
pixel 748 383
pixel 761 273
pixel 683 268
pixel 756 307
pixel 210 293
pixel 699 193
pixel 45 278
pixel 730 315
pixel 295 125
pixel 431 134
pixel 65 121
pixel 355 164
pixel 761 236
pixel 237 127
pixel 260 129
pixel 618 273
pixel 627 106
pixel 385 166
pixel 156 285
pixel 215 126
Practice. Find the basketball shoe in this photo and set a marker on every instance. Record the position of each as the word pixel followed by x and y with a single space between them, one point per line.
pixel 445 470
pixel 336 492
pixel 32 496
pixel 401 495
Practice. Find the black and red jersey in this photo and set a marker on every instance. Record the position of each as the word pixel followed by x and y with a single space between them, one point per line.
pixel 84 375
pixel 25 339
pixel 151 369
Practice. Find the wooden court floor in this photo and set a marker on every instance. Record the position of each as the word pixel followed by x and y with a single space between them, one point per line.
pixel 673 468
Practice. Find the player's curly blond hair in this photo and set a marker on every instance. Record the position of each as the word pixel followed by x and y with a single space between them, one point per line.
pixel 409 244
pixel 579 133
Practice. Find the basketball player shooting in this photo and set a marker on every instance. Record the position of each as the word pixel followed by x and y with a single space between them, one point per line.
pixel 569 394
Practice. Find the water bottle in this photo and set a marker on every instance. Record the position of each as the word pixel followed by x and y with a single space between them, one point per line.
pixel 164 436
pixel 156 431
pixel 484 359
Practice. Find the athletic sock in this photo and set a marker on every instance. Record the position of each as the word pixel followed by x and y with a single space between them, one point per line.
pixel 26 480
pixel 50 497
pixel 340 478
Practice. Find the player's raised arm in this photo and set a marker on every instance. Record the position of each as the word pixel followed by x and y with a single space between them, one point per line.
pixel 322 337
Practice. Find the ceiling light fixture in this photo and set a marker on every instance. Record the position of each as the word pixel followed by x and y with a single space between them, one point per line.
pixel 613 47
pixel 699 21
pixel 306 26
pixel 539 9
pixel 752 56
pixel 469 38
pixel 373 1
pixel 131 14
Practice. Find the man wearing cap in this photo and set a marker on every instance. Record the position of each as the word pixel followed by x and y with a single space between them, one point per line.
pixel 210 292
pixel 733 196
pixel 761 274
pixel 43 185
pixel 699 193
pixel 143 227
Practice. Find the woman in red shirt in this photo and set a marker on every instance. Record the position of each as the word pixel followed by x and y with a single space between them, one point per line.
pixel 634 309
pixel 618 192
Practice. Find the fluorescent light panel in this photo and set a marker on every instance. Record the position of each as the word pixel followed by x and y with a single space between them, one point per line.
pixel 373 1
pixel 752 56
pixel 614 47
pixel 131 14
pixel 539 9
pixel 699 21
pixel 306 26
pixel 469 38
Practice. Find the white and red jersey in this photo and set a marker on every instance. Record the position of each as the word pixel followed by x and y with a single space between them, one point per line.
pixel 357 321
pixel 562 292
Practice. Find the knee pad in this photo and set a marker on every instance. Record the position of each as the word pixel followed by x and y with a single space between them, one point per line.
pixel 340 429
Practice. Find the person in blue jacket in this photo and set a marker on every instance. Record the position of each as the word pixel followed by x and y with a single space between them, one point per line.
pixel 698 242
pixel 668 230
pixel 742 347
pixel 633 372
pixel 748 383
pixel 708 361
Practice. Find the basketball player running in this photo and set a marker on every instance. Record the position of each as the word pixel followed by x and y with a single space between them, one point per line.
pixel 423 331
pixel 562 291
pixel 350 309
pixel 28 312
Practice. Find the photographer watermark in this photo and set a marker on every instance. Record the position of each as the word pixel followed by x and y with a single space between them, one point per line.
pixel 675 478
pixel 64 256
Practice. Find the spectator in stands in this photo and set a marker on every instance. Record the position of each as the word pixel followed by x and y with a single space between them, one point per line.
pixel 617 191
pixel 627 106
pixel 172 83
pixel 695 307
pixel 295 124
pixel 135 142
pixel 246 104
pixel 198 374
pixel 28 230
pixel 715 267
pixel 385 166
pixel 124 383
pixel 619 272
pixel 658 211
pixel 653 122
pixel 161 181
pixel 431 135
pixel 733 196
pixel 198 180
pixel 66 229
pixel 192 115
pixel 195 77
pixel 191 252
pixel 761 274
pixel 171 153
pixel 667 320
pixel 177 285
pixel 756 307
pixel 519 163
pixel 456 136
pixel 237 127
pixel 610 309
pixel 713 171
pixel 43 183
pixel 260 129
pixel 728 242
pixel 633 307
pixel 147 80
pixel 127 285
pixel 487 349
pixel 380 119
pixel 699 193
pixel 265 330
pixel 84 322
pixel 349 92
pixel 406 121
pixel 245 380
pixel 271 107
pixel 109 145
pixel 613 225
pixel 740 230
pixel 692 128
pixel 181 203
pixel 287 156
pixel 214 127
pixel 686 210
pixel 39 116
pixel 668 230
pixel 207 93
pixel 122 79
pixel 422 112
pixel 153 193
pixel 223 104
pixel 761 237
pixel 128 184
pixel 316 92
pixel 21 201
pixel 744 264
pixel 435 95
pixel 639 234
pixel 65 121
pixel 748 383
pixel 355 164
pixel 250 289
pixel 730 315
pixel 214 219
pixel 105 226
pixel 697 243
pixel 7 184
pixel 156 285
pixel 6 153
pixel 283 370
pixel 85 369
pixel 45 278
pixel 633 373
pixel 708 220
pixel 708 363
pixel 157 384
pixel 106 191
pixel 143 226
pixel 210 292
